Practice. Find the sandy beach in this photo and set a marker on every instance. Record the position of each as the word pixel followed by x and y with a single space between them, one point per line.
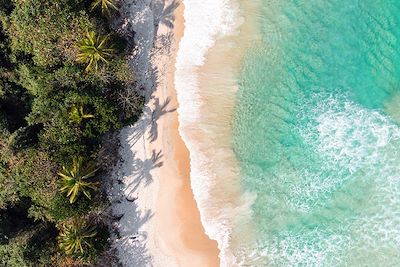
pixel 160 223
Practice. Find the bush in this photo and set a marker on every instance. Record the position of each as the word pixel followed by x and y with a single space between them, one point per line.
pixel 11 255
pixel 61 209
pixel 24 137
pixel 100 243
pixel 35 175
pixel 35 246
pixel 8 192
pixel 14 220
pixel 14 105
pixel 47 29
pixel 40 83
pixel 41 248
pixel 62 139
pixel 3 123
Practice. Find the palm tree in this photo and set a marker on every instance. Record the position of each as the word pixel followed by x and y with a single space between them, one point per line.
pixel 77 114
pixel 106 5
pixel 72 179
pixel 94 49
pixel 75 235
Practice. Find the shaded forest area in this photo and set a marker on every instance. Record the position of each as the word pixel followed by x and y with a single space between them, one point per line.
pixel 63 73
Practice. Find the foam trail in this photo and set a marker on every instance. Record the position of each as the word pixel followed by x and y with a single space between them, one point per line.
pixel 205 22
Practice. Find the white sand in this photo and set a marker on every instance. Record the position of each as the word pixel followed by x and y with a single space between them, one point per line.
pixel 160 225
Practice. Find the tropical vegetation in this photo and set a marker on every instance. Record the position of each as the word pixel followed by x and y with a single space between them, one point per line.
pixel 63 88
pixel 73 179
pixel 105 5
pixel 77 114
pixel 94 50
pixel 75 236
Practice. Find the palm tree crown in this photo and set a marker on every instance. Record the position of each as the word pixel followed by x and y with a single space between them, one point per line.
pixel 106 5
pixel 77 114
pixel 94 49
pixel 74 236
pixel 73 179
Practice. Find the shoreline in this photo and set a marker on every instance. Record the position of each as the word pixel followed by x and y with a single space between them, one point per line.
pixel 179 227
pixel 205 87
pixel 207 82
pixel 160 223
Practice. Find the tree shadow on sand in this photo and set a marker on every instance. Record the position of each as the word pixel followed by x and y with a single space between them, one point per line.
pixel 165 14
pixel 158 112
pixel 127 228
pixel 148 121
pixel 141 170
pixel 130 241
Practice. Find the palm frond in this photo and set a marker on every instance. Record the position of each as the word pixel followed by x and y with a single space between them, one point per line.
pixel 105 5
pixel 77 114
pixel 94 48
pixel 75 235
pixel 72 179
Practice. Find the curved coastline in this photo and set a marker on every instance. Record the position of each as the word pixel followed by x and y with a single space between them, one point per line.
pixel 160 223
pixel 207 65
pixel 179 232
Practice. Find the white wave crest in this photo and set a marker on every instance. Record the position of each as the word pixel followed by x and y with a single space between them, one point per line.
pixel 205 22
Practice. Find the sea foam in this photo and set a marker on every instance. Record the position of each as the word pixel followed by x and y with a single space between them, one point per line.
pixel 206 21
pixel 354 203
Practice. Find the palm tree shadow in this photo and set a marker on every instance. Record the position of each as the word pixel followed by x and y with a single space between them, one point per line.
pixel 148 122
pixel 141 170
pixel 159 110
pixel 139 129
pixel 165 14
pixel 144 167
pixel 129 239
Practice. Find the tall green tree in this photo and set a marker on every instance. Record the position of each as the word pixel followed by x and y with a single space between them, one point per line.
pixel 105 5
pixel 75 235
pixel 73 179
pixel 93 50
pixel 47 30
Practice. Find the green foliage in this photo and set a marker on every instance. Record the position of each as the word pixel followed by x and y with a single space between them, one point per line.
pixel 47 29
pixel 41 247
pixel 29 173
pixel 63 138
pixel 34 173
pixel 35 245
pixel 61 208
pixel 73 179
pixel 50 111
pixel 14 220
pixel 11 255
pixel 14 104
pixel 106 118
pixel 94 49
pixel 105 5
pixel 122 71
pixel 24 137
pixel 30 79
pixel 8 194
pixel 3 124
pixel 75 236
pixel 24 242
pixel 77 114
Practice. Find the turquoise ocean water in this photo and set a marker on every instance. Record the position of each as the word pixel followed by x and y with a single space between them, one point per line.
pixel 317 134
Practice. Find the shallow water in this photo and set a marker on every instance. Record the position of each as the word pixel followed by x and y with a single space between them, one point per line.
pixel 316 135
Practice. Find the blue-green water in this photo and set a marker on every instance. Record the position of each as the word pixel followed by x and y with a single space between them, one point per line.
pixel 317 135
